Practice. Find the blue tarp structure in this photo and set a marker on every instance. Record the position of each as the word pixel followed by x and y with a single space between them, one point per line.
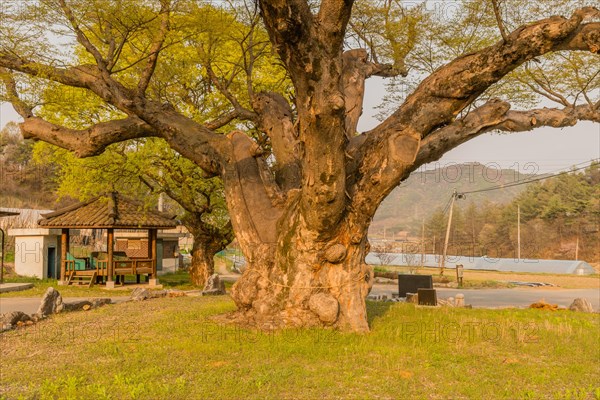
pixel 488 263
pixel 475 263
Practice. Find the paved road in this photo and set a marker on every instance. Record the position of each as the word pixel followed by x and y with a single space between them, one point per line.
pixel 518 297
pixel 29 305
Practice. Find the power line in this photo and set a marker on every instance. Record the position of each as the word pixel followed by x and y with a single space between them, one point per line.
pixel 526 181
pixel 586 163
pixel 447 206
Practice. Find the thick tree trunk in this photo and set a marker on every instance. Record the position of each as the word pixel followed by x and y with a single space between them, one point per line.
pixel 296 275
pixel 208 241
pixel 203 264
pixel 304 282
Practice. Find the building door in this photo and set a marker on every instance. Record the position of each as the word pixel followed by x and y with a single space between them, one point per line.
pixel 159 255
pixel 52 263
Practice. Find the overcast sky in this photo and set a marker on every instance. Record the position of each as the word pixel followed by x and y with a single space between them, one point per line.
pixel 549 149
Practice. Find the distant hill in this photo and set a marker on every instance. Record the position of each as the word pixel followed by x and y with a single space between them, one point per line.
pixel 23 184
pixel 427 191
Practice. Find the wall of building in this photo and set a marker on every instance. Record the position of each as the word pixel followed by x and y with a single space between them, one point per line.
pixel 31 251
pixel 168 265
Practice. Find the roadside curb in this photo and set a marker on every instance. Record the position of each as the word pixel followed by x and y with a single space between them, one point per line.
pixel 14 287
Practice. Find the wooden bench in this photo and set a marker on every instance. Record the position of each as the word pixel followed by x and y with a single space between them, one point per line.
pixel 123 265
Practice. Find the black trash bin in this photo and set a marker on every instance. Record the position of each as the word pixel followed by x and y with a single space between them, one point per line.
pixel 412 283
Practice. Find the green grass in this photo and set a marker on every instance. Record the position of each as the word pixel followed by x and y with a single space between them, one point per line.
pixel 171 349
pixel 177 280
pixel 488 284
pixel 9 256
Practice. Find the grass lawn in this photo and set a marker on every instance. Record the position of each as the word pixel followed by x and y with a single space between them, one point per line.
pixel 177 280
pixel 169 348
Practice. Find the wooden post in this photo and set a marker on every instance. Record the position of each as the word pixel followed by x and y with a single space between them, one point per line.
pixel 518 232
pixel 2 264
pixel 423 244
pixel 110 236
pixel 459 274
pixel 153 238
pixel 64 249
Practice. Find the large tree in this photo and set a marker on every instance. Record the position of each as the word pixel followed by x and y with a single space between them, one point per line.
pixel 301 184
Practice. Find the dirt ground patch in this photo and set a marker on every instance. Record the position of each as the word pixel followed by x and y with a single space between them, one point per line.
pixel 474 277
pixel 563 281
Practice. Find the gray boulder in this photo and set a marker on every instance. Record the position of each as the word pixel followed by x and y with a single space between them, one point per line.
pixel 12 318
pixel 78 305
pixel 52 303
pixel 101 301
pixel 139 294
pixel 582 305
pixel 214 286
pixel 459 301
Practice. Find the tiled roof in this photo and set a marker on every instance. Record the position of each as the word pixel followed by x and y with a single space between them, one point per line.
pixel 108 211
pixel 7 213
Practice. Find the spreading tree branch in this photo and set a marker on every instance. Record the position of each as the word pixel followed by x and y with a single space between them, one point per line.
pixel 333 19
pixel 356 70
pixel 82 37
pixel 497 116
pixel 240 111
pixel 86 142
pixel 290 26
pixel 499 21
pixel 77 76
pixel 389 150
pixel 155 47
pixel 275 118
pixel 22 108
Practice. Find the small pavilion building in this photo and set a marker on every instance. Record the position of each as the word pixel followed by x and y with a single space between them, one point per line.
pixel 110 212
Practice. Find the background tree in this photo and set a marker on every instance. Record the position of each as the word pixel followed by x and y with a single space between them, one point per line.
pixel 19 174
pixel 145 169
pixel 300 201
pixel 558 215
pixel 385 253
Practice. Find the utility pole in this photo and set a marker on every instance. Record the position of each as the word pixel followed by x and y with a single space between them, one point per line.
pixel 423 244
pixel 2 263
pixel 577 241
pixel 443 263
pixel 518 232
pixel 161 196
pixel 161 202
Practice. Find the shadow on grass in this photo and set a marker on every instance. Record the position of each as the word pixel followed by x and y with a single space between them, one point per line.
pixel 376 309
pixel 180 279
pixel 175 279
